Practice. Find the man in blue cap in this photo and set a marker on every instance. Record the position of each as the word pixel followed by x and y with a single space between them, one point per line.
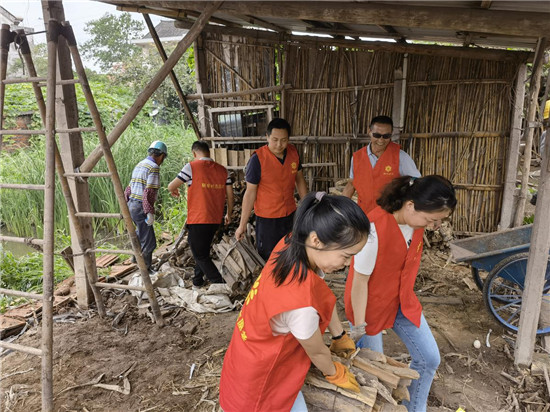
pixel 141 195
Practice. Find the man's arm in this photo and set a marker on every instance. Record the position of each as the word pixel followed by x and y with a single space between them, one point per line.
pixel 301 185
pixel 248 203
pixel 349 190
pixel 173 187
pixel 230 203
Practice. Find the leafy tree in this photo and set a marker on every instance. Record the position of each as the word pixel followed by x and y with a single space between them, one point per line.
pixel 110 45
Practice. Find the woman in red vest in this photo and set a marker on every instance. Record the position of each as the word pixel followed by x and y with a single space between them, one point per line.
pixel 380 288
pixel 279 331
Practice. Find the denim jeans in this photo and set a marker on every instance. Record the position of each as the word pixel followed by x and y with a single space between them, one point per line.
pixel 424 353
pixel 299 404
pixel 144 232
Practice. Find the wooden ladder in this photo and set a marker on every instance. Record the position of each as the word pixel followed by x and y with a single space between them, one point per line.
pixel 53 164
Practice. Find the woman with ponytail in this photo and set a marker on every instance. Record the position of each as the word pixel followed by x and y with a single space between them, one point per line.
pixel 379 290
pixel 279 331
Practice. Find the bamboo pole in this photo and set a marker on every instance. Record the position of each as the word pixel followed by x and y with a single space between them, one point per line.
pixel 49 206
pixel 508 198
pixel 6 37
pixel 155 82
pixel 173 77
pixel 119 190
pixel 534 86
pixel 89 265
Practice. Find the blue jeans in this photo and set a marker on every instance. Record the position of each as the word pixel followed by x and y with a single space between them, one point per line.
pixel 299 404
pixel 424 353
pixel 145 233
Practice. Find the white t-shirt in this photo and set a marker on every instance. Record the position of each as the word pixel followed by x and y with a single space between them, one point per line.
pixel 365 260
pixel 301 322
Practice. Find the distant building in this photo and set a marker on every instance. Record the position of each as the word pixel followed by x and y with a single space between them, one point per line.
pixel 14 22
pixel 168 35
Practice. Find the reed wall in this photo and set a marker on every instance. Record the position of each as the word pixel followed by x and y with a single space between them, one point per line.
pixel 456 119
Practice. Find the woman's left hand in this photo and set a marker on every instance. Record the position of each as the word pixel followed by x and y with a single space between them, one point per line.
pixel 343 347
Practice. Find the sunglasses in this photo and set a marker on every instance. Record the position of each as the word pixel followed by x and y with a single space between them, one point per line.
pixel 384 136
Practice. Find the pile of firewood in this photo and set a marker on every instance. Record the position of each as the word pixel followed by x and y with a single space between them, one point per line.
pixel 338 188
pixel 383 382
pixel 239 263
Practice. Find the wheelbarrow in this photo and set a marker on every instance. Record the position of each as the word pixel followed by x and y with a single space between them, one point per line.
pixel 503 255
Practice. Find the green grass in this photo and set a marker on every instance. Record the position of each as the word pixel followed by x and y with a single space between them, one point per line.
pixel 21 211
pixel 25 274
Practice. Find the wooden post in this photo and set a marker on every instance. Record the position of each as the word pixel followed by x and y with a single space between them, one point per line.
pixel 5 40
pixel 399 93
pixel 202 82
pixel 508 198
pixel 72 155
pixel 173 77
pixel 49 207
pixel 534 86
pixel 536 270
pixel 153 85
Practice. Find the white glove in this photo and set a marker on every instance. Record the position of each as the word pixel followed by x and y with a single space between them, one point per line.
pixel 150 219
pixel 357 331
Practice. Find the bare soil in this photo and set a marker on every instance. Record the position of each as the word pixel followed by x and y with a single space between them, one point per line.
pixel 158 361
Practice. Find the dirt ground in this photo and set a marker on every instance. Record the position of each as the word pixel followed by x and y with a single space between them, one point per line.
pixel 177 368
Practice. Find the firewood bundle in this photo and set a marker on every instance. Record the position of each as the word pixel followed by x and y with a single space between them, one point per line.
pixel 383 382
pixel 239 263
pixel 338 188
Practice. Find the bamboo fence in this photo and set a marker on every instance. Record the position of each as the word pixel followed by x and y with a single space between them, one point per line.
pixel 456 120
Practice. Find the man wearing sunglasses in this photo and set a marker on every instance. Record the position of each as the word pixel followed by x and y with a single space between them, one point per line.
pixel 374 166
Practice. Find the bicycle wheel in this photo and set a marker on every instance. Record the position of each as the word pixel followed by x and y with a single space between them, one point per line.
pixel 503 291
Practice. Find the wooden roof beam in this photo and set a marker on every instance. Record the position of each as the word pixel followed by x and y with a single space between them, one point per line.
pixel 264 24
pixel 274 38
pixel 513 23
pixel 391 30
pixel 485 4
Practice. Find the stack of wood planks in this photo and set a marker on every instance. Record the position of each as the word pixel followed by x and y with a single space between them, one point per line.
pixel 338 188
pixel 239 263
pixel 383 382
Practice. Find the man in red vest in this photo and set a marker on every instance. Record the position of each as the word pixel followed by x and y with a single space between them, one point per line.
pixel 374 166
pixel 209 185
pixel 272 173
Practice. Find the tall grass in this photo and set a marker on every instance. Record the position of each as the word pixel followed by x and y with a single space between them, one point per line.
pixel 21 211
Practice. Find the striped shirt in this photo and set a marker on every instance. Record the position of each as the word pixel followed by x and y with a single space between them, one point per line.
pixel 145 182
pixel 186 174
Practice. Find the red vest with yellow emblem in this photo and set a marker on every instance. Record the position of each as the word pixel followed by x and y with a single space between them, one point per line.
pixel 275 196
pixel 262 372
pixel 369 181
pixel 206 195
pixel 391 284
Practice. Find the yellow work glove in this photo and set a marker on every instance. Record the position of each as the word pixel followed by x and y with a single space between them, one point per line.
pixel 343 378
pixel 343 346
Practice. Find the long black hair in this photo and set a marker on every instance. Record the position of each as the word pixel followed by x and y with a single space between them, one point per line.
pixel 431 193
pixel 338 222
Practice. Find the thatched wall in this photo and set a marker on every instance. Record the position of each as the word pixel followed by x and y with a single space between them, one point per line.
pixel 456 119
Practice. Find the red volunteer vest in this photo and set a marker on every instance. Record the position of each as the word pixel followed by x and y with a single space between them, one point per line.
pixel 206 195
pixel 262 372
pixel 392 281
pixel 275 196
pixel 369 181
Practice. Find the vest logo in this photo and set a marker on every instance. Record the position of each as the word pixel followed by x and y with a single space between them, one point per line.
pixel 388 170
pixel 212 186
pixel 294 167
pixel 419 247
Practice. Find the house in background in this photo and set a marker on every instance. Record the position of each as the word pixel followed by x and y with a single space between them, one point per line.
pixel 167 33
pixel 15 24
